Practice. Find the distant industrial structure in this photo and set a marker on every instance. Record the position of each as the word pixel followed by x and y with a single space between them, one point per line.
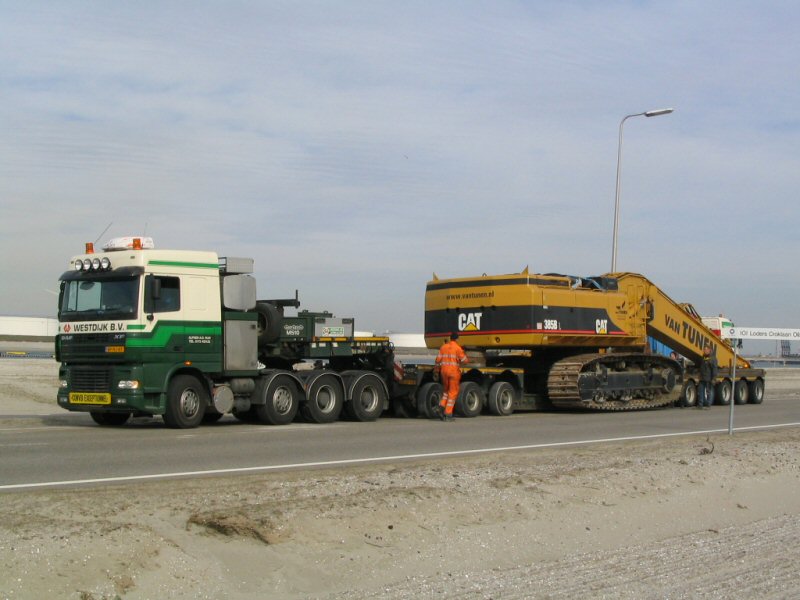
pixel 784 357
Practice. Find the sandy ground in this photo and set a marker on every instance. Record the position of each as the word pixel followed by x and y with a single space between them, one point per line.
pixel 691 517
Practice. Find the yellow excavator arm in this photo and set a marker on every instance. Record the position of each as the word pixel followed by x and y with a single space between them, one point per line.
pixel 676 325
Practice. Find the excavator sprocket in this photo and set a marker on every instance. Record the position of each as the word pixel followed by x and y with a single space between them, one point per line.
pixel 614 382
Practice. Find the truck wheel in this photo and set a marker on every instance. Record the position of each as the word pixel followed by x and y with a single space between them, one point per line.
pixel 470 399
pixel 428 398
pixel 281 401
pixel 688 394
pixel 756 391
pixel 367 398
pixel 325 400
pixel 186 402
pixel 722 392
pixel 110 419
pixel 740 392
pixel 501 399
pixel 268 323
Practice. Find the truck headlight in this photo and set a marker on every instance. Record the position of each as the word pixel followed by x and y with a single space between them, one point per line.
pixel 128 384
pixel 63 384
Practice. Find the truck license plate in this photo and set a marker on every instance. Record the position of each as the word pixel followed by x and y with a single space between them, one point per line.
pixel 88 398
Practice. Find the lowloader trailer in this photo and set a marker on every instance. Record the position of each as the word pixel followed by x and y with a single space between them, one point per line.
pixel 181 334
pixel 559 341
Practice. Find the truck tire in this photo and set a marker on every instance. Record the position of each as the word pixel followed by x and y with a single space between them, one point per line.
pixel 471 400
pixel 367 398
pixel 740 392
pixel 186 402
pixel 268 324
pixel 501 399
pixel 428 398
pixel 723 392
pixel 281 400
pixel 756 391
pixel 110 419
pixel 325 400
pixel 688 394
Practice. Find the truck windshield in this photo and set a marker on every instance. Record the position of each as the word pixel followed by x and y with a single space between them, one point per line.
pixel 98 300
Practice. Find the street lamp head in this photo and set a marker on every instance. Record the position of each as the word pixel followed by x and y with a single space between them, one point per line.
pixel 649 113
pixel 660 111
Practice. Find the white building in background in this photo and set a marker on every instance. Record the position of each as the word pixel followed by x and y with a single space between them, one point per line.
pixel 28 327
pixel 407 340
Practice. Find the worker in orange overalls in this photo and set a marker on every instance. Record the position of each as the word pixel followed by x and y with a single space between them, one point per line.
pixel 448 362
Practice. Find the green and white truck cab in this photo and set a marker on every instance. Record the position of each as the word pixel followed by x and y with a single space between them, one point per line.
pixel 133 318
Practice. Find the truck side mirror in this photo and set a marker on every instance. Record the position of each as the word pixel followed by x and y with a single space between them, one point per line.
pixel 152 292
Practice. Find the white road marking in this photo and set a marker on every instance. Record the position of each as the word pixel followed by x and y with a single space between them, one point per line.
pixel 24 444
pixel 378 459
pixel 240 428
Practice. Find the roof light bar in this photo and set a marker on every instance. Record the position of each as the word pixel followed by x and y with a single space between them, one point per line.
pixel 92 264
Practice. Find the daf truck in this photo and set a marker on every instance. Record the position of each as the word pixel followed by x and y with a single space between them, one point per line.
pixel 181 334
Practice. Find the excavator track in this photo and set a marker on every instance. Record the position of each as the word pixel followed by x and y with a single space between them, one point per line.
pixel 614 382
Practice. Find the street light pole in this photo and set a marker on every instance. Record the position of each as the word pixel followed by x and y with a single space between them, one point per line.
pixel 649 113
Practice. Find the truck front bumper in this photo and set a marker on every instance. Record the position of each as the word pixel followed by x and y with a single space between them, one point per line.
pixel 103 388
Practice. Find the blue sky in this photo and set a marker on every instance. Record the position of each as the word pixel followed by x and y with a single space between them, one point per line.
pixel 353 148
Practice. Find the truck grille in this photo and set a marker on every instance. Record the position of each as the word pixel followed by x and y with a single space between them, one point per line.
pixel 90 379
pixel 77 346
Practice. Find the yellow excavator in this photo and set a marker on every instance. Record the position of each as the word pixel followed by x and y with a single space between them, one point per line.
pixel 552 340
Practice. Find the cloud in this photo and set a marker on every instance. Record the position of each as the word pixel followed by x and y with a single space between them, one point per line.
pixel 352 149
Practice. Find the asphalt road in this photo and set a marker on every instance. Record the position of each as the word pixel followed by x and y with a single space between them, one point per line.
pixel 69 449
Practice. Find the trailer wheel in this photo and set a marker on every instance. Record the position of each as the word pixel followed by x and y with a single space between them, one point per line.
pixel 740 392
pixel 281 401
pixel 186 402
pixel 688 394
pixel 756 391
pixel 501 399
pixel 722 392
pixel 110 419
pixel 325 400
pixel 428 398
pixel 367 398
pixel 470 399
